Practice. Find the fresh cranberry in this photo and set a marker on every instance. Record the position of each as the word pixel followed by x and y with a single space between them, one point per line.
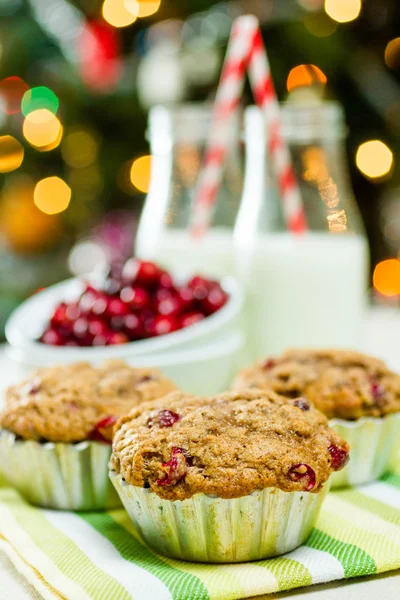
pixel 113 287
pixel 175 469
pixel 73 311
pixel 100 340
pixel 270 363
pixel 71 344
pixel 117 308
pixel 191 318
pixel 87 300
pixel 161 325
pixel 164 418
pixel 187 298
pixel 117 337
pixel 169 306
pixel 303 471
pixel 166 280
pixel 97 327
pixel 60 315
pixel 339 457
pixel 141 272
pixel 215 300
pixel 137 297
pixel 99 306
pixel 377 390
pixel 106 422
pixel 200 287
pixel 80 327
pixel 133 326
pixel 301 403
pixel 52 338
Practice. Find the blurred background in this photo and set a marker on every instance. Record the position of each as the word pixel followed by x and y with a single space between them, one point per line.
pixel 77 78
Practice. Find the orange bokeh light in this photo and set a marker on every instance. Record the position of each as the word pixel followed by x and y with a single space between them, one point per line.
pixel 304 75
pixel 12 90
pixel 386 277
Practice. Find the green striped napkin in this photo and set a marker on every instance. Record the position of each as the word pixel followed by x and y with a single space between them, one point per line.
pixel 98 556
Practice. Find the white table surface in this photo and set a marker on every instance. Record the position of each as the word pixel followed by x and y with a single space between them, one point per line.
pixel 382 339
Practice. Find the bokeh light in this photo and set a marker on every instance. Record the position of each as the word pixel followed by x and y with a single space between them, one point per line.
pixel 141 172
pixel 386 277
pixel 117 13
pixel 52 195
pixel 304 75
pixel 11 154
pixel 392 54
pixel 319 24
pixel 79 148
pixel 374 159
pixel 146 7
pixel 12 90
pixel 42 129
pixel 39 98
pixel 343 11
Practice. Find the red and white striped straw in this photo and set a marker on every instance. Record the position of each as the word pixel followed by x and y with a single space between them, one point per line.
pixel 265 96
pixel 246 49
pixel 226 104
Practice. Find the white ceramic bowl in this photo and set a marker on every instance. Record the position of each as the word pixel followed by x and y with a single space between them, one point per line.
pixel 27 323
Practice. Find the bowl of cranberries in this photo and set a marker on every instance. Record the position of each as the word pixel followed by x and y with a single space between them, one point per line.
pixel 137 309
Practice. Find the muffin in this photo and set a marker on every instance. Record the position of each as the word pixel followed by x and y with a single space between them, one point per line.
pixel 236 477
pixel 358 393
pixel 56 430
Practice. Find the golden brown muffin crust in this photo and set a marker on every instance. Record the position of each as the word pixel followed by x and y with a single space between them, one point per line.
pixel 341 383
pixel 229 445
pixel 65 403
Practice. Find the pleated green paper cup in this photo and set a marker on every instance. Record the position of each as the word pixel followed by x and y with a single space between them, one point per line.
pixel 372 443
pixel 59 475
pixel 215 530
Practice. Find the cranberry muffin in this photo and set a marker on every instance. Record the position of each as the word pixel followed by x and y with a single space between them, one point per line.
pixel 196 474
pixel 357 392
pixel 62 419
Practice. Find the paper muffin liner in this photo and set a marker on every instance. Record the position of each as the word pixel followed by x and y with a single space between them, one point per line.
pixel 215 530
pixel 59 475
pixel 372 442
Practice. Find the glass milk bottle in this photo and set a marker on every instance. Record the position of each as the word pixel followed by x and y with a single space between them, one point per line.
pixel 177 139
pixel 307 290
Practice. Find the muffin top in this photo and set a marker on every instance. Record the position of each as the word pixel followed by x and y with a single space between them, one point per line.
pixel 228 445
pixel 341 383
pixel 78 402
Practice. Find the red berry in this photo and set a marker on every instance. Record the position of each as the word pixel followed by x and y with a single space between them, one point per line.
pixel 191 318
pixel 113 287
pixel 137 297
pixel 60 315
pixel 117 337
pixel 339 457
pixel 301 403
pixel 80 327
pixel 71 344
pixel 106 422
pixel 187 298
pixel 97 327
pixel 166 280
pixel 87 299
pixel 199 287
pixel 73 311
pixel 169 306
pixel 164 418
pixel 161 325
pixel 270 363
pixel 52 338
pixel 100 340
pixel 99 306
pixel 142 272
pixel 133 326
pixel 175 469
pixel 303 471
pixel 377 390
pixel 117 308
pixel 215 299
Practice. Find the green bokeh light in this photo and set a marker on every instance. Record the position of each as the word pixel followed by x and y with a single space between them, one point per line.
pixel 37 98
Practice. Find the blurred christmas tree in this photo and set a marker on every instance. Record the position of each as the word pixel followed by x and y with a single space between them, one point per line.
pixel 77 78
